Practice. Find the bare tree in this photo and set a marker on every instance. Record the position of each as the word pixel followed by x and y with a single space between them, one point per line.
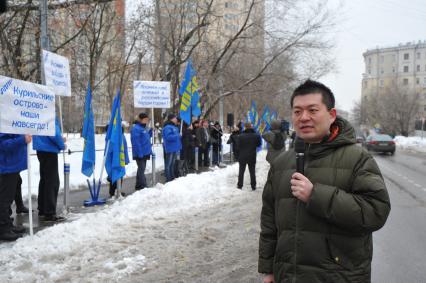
pixel 394 109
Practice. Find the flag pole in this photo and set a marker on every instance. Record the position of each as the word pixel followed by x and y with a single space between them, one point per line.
pixel 30 205
pixel 152 146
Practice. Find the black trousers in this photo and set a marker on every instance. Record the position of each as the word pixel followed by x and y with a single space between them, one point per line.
pixel 113 186
pixel 18 195
pixel 8 184
pixel 48 186
pixel 203 156
pixel 140 174
pixel 252 168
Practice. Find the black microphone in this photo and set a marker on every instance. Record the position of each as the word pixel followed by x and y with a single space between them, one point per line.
pixel 299 148
pixel 3 6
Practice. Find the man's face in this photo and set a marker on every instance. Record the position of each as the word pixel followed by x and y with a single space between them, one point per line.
pixel 145 120
pixel 205 124
pixel 174 120
pixel 311 119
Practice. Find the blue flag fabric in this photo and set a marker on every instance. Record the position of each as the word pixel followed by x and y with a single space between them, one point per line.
pixel 190 98
pixel 274 115
pixel 266 118
pixel 254 116
pixel 116 156
pixel 89 153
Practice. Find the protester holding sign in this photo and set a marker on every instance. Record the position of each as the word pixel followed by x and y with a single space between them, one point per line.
pixel 141 148
pixel 47 153
pixel 13 159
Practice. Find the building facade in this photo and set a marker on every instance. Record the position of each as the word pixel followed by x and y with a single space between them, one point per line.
pixel 403 66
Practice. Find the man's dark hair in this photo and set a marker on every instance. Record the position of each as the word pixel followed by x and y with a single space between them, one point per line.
pixel 3 6
pixel 310 87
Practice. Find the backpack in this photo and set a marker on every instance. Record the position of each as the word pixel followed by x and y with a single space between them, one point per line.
pixel 278 143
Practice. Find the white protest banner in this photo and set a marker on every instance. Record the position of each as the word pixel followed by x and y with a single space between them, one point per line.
pixel 26 108
pixel 57 73
pixel 151 94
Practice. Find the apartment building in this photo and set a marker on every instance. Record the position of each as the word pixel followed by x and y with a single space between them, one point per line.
pixel 403 65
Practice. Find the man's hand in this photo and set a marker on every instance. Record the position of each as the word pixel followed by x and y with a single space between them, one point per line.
pixel 301 187
pixel 269 279
pixel 28 138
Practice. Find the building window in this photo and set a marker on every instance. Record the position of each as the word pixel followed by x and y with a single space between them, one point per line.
pixel 381 71
pixel 418 81
pixel 406 56
pixel 393 69
pixel 424 108
pixel 405 81
pixel 418 55
pixel 405 69
pixel 369 71
pixel 381 83
pixel 418 68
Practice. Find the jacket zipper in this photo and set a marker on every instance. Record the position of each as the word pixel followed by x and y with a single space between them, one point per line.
pixel 297 220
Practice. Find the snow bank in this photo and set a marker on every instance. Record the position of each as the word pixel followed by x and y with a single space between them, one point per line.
pixel 411 143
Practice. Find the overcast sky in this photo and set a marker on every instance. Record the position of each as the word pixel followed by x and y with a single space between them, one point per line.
pixel 366 24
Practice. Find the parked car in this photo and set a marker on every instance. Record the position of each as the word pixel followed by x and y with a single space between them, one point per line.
pixel 360 139
pixel 380 143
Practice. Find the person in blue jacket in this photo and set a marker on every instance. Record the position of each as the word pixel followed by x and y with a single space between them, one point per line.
pixel 140 137
pixel 47 153
pixel 172 145
pixel 13 159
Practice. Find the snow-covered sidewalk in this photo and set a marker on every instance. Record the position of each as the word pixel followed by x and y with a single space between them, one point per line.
pixel 77 180
pixel 110 245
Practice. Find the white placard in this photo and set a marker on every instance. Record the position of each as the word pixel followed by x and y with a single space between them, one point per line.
pixel 151 94
pixel 26 108
pixel 57 73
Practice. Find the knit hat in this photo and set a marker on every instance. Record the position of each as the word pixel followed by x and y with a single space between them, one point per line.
pixel 143 115
pixel 171 116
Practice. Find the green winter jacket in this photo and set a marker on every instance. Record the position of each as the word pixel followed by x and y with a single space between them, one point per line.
pixel 328 239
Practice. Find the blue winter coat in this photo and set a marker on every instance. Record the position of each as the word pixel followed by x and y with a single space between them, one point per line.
pixel 171 138
pixel 49 144
pixel 140 138
pixel 13 153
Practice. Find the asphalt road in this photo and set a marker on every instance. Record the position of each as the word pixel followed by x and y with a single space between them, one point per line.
pixel 400 246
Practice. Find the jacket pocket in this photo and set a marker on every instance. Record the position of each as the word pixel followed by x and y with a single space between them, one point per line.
pixel 348 252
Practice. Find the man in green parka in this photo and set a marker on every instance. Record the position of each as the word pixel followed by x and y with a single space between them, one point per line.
pixel 317 226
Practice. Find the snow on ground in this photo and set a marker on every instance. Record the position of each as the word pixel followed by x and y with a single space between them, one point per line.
pixel 101 246
pixel 411 143
pixel 77 179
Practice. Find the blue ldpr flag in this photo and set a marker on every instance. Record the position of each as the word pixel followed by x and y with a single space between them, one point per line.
pixel 266 117
pixel 254 116
pixel 190 98
pixel 274 115
pixel 89 153
pixel 115 157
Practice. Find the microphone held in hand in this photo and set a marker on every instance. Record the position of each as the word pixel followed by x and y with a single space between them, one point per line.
pixel 299 148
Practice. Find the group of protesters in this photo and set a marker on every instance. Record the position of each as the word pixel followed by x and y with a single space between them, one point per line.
pixel 13 160
pixel 180 142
